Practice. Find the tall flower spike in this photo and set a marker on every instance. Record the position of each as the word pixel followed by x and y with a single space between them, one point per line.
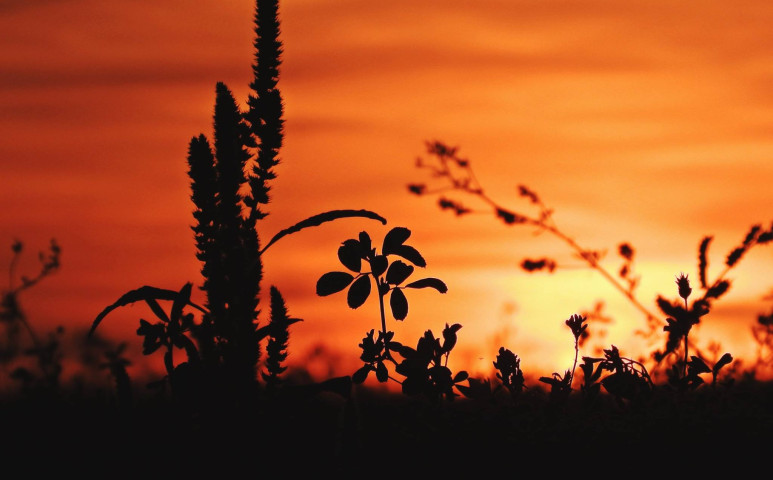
pixel 684 286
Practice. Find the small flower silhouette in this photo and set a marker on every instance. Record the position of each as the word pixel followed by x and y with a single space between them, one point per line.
pixel 575 323
pixel 684 286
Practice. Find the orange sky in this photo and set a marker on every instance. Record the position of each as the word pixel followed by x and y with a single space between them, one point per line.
pixel 640 121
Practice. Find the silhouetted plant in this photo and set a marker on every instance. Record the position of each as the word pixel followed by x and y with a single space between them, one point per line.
pixel 45 352
pixel 115 362
pixel 561 385
pixel 681 320
pixel 230 184
pixel 278 338
pixel 696 367
pixel 456 175
pixel 628 380
pixel 424 367
pixel 762 332
pixel 509 372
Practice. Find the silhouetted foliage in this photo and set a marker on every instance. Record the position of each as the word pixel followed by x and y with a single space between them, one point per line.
pixel 424 367
pixel 279 336
pixel 454 174
pixel 212 352
pixel 509 371
pixel 230 184
pixel 45 352
pixel 628 380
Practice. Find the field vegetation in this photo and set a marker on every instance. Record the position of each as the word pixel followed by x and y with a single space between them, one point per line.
pixel 226 398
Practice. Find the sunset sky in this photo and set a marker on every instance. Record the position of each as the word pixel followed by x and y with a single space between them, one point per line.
pixel 648 122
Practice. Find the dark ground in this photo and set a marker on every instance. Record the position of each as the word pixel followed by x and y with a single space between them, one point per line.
pixel 371 434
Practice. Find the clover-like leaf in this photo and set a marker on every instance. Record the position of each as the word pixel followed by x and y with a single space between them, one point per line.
pixel 449 337
pixel 698 365
pixel 183 298
pixel 361 374
pixel 435 283
pixel 411 254
pixel 398 272
pixel 365 243
pixel 381 372
pixel 333 282
pixel 394 239
pixel 378 265
pixel 358 292
pixel 399 304
pixel 349 255
pixel 726 358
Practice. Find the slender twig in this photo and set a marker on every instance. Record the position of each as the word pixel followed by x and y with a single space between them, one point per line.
pixel 471 185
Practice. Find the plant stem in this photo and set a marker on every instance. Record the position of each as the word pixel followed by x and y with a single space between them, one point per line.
pixel 383 319
pixel 684 367
pixel 596 266
pixel 576 352
pixel 383 316
pixel 472 187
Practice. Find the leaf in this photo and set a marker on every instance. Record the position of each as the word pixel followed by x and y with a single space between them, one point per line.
pixel 157 310
pixel 378 265
pixel 183 297
pixel 365 243
pixel 394 239
pixel 321 218
pixel 349 255
pixel 726 358
pixel 361 374
pixel 461 376
pixel 381 372
pixel 411 254
pixel 550 381
pixel 435 283
pixel 698 364
pixel 398 272
pixel 358 292
pixel 399 304
pixel 333 282
pixel 449 337
pixel 142 293
pixel 405 351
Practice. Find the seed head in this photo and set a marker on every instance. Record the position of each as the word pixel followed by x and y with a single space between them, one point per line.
pixel 684 286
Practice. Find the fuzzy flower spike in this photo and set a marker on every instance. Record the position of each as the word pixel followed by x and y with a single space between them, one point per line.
pixel 684 286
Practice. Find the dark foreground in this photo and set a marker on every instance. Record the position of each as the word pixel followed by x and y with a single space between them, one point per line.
pixel 370 434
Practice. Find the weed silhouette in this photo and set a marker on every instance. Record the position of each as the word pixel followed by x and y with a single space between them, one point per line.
pixel 45 352
pixel 230 185
pixel 455 174
pixel 230 409
pixel 425 367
